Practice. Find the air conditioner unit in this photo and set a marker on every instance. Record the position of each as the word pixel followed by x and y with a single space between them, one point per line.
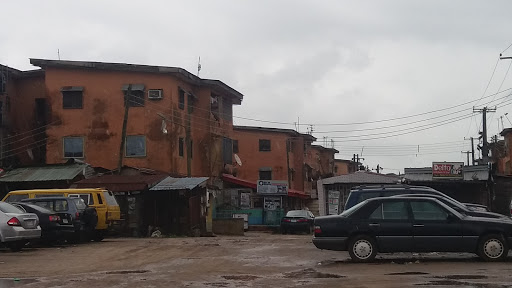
pixel 154 94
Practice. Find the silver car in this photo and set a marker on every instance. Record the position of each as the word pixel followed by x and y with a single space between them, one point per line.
pixel 17 227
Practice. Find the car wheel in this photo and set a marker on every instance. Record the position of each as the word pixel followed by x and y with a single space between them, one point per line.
pixel 493 247
pixel 362 248
pixel 16 246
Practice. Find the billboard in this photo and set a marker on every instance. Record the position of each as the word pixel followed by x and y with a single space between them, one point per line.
pixel 272 187
pixel 447 170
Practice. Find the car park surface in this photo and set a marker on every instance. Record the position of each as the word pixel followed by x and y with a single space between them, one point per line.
pixel 257 259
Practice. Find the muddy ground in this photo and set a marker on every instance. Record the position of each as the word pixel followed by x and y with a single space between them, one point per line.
pixel 258 259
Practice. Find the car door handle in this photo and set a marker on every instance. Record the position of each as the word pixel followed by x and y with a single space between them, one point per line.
pixel 374 225
pixel 418 225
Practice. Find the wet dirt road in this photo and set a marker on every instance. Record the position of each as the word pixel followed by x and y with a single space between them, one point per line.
pixel 256 260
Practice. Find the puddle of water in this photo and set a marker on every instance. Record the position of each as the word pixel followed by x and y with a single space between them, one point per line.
pixel 127 272
pixel 240 277
pixel 310 273
pixel 10 282
pixel 409 273
pixel 463 277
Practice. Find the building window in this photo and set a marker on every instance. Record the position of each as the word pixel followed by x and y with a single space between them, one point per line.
pixel 235 146
pixel 73 147
pixel 227 150
pixel 264 145
pixel 72 97
pixel 181 100
pixel 265 174
pixel 227 110
pixel 190 102
pixel 135 146
pixel 136 96
pixel 180 147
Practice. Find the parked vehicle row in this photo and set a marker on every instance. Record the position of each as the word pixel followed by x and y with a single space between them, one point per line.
pixel 396 219
pixel 58 215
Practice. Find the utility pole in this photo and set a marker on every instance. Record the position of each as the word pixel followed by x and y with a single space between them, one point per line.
pixel 485 145
pixel 467 154
pixel 472 150
pixel 125 123
pixel 378 168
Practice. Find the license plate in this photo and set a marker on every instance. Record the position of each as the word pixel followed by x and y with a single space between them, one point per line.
pixel 30 223
pixel 65 221
pixel 294 220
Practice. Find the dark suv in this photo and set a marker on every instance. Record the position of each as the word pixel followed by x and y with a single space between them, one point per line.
pixel 360 193
pixel 84 218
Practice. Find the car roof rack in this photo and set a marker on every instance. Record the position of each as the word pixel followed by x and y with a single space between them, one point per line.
pixel 390 186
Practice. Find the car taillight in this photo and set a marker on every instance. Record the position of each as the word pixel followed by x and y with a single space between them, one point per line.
pixel 54 218
pixel 77 215
pixel 318 230
pixel 286 220
pixel 14 222
pixel 302 220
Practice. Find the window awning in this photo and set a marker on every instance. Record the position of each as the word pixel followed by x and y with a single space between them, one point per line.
pixel 72 88
pixel 135 87
pixel 252 184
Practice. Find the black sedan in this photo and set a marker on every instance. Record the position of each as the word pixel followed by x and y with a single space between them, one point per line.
pixel 53 226
pixel 297 220
pixel 458 206
pixel 411 224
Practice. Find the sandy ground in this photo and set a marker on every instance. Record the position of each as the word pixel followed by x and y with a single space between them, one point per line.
pixel 257 259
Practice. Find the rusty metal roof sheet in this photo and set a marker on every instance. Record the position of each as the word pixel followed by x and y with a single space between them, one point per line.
pixel 44 173
pixel 171 183
pixel 121 183
pixel 362 177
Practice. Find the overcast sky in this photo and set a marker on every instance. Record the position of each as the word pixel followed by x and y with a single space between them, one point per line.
pixel 312 62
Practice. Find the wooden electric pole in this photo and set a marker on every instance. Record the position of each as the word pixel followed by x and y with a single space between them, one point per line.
pixel 467 154
pixel 485 145
pixel 123 132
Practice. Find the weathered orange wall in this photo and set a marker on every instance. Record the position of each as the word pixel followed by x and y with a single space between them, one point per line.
pixel 253 159
pixel 321 160
pixel 342 167
pixel 100 120
pixel 19 119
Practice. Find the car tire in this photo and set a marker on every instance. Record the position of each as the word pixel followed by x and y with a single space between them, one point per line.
pixel 362 248
pixel 492 248
pixel 16 246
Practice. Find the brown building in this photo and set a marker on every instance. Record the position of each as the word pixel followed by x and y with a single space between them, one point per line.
pixel 22 117
pixel 343 167
pixel 176 122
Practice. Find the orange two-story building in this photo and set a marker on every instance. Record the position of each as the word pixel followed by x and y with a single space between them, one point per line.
pixel 173 121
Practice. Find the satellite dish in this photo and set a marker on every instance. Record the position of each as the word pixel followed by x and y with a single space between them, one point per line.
pixel 238 161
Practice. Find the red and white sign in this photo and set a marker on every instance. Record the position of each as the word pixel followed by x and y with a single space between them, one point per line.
pixel 447 170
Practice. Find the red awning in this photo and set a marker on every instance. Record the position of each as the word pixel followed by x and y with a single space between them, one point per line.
pixel 251 184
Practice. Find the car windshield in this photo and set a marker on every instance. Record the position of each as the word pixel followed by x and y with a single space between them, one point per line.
pixel 353 208
pixel 297 213
pixel 8 208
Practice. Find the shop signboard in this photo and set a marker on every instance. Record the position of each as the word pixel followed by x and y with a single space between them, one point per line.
pixel 447 170
pixel 272 187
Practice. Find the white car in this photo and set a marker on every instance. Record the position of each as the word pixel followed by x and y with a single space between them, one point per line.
pixel 17 227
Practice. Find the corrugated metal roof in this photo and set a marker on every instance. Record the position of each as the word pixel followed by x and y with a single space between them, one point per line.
pixel 44 173
pixel 171 183
pixel 362 177
pixel 118 183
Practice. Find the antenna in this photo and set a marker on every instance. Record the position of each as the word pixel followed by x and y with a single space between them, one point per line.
pixel 58 53
pixel 198 66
